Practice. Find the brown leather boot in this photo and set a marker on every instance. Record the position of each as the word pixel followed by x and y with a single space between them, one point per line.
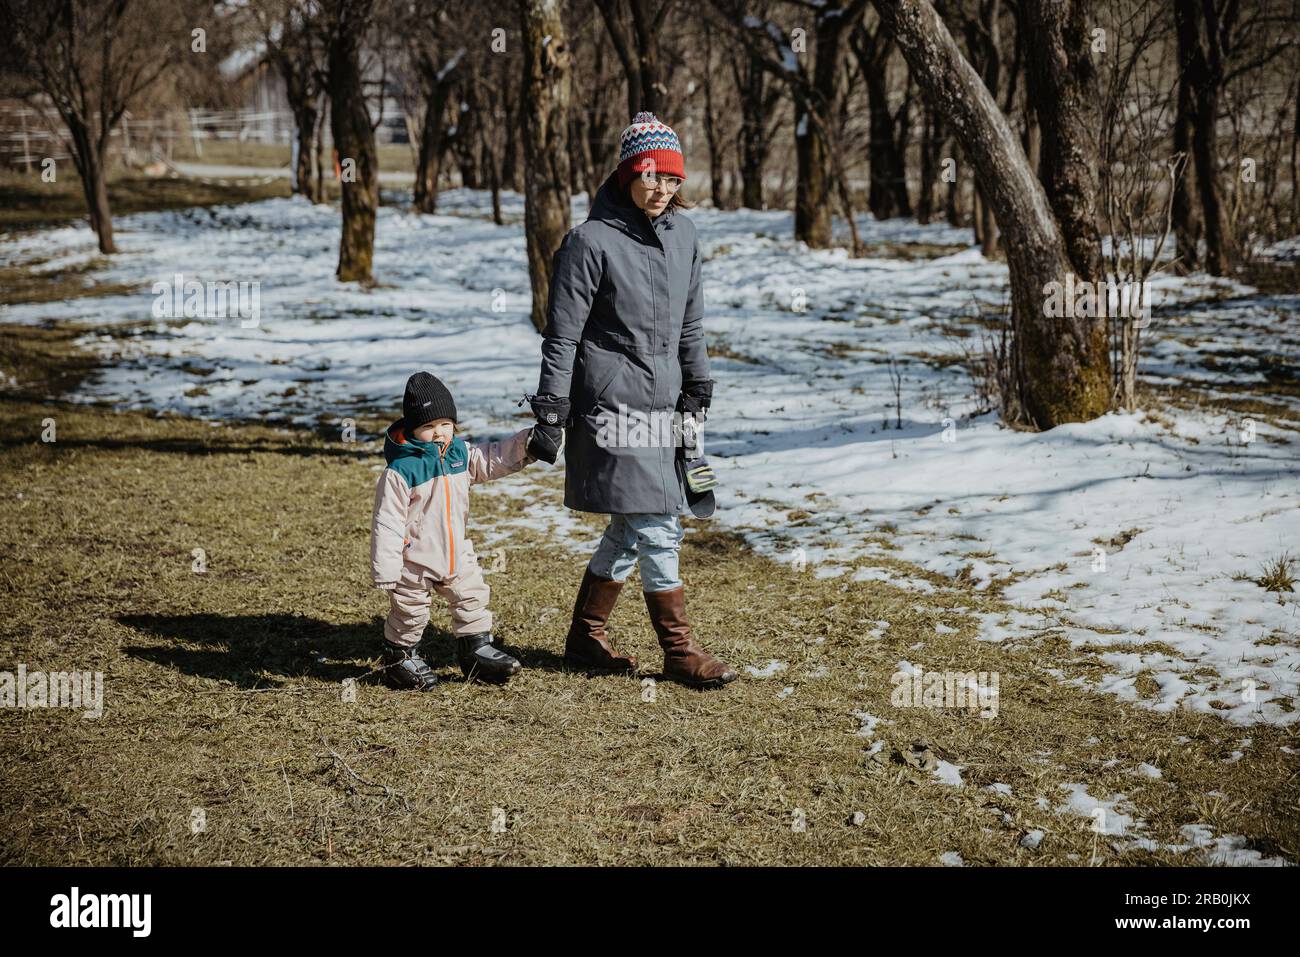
pixel 587 645
pixel 684 660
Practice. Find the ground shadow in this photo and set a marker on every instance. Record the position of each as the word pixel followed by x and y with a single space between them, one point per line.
pixel 257 651
pixel 196 447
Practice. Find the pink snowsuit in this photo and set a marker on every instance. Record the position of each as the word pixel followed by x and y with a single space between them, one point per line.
pixel 417 534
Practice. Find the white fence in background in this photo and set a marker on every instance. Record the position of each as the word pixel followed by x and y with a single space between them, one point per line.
pixel 28 135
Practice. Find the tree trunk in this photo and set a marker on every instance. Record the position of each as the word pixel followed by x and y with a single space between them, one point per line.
pixel 1061 364
pixel 880 195
pixel 582 175
pixel 90 164
pixel 898 159
pixel 637 47
pixel 1032 140
pixel 1205 150
pixel 932 141
pixel 305 130
pixel 354 139
pixel 319 145
pixel 464 143
pixel 647 33
pixel 1062 86
pixel 986 226
pixel 814 116
pixel 1201 54
pixel 887 193
pixel 428 159
pixel 812 211
pixel 952 207
pixel 1295 165
pixel 95 185
pixel 507 85
pixel 1186 226
pixel 296 69
pixel 711 136
pixel 491 171
pixel 753 146
pixel 547 96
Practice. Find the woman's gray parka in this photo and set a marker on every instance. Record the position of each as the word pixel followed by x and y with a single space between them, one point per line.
pixel 624 329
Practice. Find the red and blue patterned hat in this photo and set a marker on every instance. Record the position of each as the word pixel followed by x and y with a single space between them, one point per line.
pixel 649 144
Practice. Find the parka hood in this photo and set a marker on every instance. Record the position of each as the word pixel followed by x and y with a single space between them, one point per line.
pixel 399 445
pixel 614 207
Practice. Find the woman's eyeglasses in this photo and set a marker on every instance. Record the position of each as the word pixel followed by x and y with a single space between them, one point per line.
pixel 669 184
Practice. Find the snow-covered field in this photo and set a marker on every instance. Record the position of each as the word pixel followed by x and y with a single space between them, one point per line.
pixel 1138 537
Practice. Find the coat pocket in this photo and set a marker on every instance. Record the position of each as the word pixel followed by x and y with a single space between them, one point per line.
pixel 600 368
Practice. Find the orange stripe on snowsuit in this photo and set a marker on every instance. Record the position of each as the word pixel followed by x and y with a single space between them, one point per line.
pixel 451 535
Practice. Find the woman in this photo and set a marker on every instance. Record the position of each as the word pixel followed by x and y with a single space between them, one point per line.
pixel 625 338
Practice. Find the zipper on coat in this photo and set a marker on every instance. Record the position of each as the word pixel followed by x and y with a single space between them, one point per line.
pixel 446 494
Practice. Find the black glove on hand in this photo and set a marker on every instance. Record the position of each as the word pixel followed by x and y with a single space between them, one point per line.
pixel 544 442
pixel 693 408
pixel 548 434
pixel 697 395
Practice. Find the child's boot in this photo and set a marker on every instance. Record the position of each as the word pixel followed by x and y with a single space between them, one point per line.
pixel 684 660
pixel 587 645
pixel 404 668
pixel 479 658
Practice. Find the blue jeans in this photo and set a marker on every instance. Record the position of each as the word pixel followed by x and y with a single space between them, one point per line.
pixel 653 540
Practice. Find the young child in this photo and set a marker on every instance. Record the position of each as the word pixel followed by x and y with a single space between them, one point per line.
pixel 417 536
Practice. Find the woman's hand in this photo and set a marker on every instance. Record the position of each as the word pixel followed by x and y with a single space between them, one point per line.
pixel 696 397
pixel 548 434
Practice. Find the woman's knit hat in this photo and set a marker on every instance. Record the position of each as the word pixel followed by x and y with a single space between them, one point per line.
pixel 649 144
pixel 426 399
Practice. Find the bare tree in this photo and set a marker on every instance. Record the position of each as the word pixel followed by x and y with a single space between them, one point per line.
pixel 1061 364
pixel 713 134
pixel 815 93
pixel 294 41
pixel 92 60
pixel 759 97
pixel 347 24
pixel 1186 219
pixel 982 27
pixel 635 28
pixel 887 195
pixel 933 139
pixel 1134 182
pixel 464 136
pixel 1219 42
pixel 1063 91
pixel 594 122
pixel 434 57
pixel 547 95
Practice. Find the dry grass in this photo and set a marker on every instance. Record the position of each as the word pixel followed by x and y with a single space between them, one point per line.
pixel 223 689
pixel 392 156
pixel 26 202
pixel 1278 574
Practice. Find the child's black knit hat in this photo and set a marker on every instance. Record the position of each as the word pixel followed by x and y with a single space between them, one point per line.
pixel 426 399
